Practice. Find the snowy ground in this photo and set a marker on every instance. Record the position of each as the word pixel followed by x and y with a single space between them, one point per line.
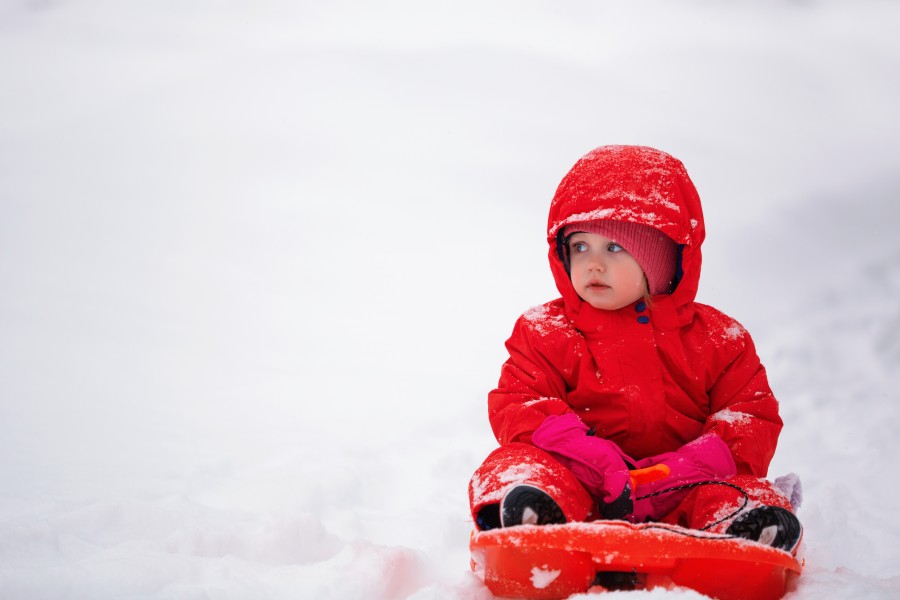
pixel 258 261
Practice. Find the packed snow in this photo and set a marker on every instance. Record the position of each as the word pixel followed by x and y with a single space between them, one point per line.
pixel 259 259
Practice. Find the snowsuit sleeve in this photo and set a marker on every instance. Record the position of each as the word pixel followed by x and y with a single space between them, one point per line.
pixel 530 387
pixel 744 412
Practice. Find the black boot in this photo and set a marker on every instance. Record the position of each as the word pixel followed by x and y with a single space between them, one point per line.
pixel 770 525
pixel 528 505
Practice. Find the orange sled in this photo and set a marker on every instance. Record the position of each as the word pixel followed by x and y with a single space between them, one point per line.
pixel 556 561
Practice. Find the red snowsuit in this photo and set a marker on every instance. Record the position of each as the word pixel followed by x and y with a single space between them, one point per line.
pixel 649 378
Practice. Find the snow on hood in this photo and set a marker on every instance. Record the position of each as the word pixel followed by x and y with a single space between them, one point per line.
pixel 636 184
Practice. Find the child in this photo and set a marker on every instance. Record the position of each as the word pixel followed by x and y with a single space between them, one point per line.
pixel 624 398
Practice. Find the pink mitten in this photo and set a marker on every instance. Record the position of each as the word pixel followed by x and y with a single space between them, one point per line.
pixel 705 459
pixel 600 465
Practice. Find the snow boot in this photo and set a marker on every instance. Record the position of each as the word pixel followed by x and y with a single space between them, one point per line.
pixel 528 505
pixel 770 525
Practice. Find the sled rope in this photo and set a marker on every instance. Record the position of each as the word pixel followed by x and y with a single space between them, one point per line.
pixel 688 486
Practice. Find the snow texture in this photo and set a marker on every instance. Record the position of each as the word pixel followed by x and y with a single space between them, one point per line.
pixel 258 262
pixel 541 578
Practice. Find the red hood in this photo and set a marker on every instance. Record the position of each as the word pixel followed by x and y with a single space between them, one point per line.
pixel 636 184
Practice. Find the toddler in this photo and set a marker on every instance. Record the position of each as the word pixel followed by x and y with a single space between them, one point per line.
pixel 625 398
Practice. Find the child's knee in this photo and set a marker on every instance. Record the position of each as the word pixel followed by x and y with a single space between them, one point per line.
pixel 523 464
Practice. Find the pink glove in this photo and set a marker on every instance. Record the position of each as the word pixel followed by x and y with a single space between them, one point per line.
pixel 705 459
pixel 600 465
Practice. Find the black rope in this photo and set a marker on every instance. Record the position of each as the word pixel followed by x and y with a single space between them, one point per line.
pixel 688 486
pixel 687 532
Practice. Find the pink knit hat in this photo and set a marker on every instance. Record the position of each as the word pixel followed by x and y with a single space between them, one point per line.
pixel 656 252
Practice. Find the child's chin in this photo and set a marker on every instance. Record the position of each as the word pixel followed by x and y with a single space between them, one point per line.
pixel 602 305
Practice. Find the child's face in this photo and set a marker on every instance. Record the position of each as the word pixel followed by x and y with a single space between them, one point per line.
pixel 603 273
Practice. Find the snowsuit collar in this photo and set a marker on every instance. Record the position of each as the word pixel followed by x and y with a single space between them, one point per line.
pixel 640 185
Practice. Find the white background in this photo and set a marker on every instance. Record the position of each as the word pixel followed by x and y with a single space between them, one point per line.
pixel 258 261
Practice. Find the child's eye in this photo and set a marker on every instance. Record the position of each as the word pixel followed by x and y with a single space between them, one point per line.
pixel 614 247
pixel 579 247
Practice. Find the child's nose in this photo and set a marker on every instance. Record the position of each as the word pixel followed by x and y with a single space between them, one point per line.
pixel 597 264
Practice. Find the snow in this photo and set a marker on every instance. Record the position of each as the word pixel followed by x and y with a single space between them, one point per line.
pixel 545 321
pixel 647 217
pixel 730 416
pixel 541 578
pixel 258 262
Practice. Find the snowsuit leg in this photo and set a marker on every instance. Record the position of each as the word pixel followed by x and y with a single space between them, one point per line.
pixel 708 504
pixel 515 464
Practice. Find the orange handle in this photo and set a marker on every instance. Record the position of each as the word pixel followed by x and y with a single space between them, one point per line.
pixel 648 475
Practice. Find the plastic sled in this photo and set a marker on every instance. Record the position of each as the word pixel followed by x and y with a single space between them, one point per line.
pixel 556 561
